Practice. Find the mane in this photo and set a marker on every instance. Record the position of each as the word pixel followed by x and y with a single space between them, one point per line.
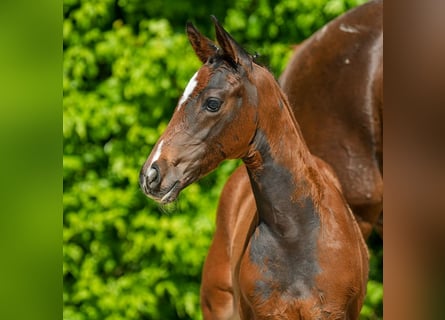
pixel 315 190
pixel 220 56
pixel 283 98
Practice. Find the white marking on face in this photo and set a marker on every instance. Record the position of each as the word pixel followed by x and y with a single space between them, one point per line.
pixel 347 61
pixel 157 154
pixel 188 90
pixel 348 29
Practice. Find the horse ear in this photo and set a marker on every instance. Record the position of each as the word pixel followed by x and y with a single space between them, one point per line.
pixel 203 46
pixel 230 46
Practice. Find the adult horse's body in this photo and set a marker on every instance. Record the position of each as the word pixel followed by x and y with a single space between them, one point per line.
pixel 334 83
pixel 299 254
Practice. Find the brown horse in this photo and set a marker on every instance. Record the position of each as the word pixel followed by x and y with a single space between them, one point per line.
pixel 299 254
pixel 334 83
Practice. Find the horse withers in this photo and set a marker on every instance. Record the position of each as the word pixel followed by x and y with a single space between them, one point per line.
pixel 291 244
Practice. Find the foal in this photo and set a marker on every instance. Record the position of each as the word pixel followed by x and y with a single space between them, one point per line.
pixel 300 255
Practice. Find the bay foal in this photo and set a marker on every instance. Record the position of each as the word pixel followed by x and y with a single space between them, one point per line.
pixel 300 255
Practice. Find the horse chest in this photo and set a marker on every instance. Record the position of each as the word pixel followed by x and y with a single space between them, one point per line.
pixel 275 273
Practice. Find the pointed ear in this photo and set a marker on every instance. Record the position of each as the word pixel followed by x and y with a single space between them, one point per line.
pixel 230 47
pixel 203 46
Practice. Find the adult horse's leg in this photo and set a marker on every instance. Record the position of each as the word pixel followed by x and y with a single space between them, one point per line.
pixel 217 301
pixel 217 291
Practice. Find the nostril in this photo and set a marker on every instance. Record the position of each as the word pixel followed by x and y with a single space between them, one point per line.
pixel 153 177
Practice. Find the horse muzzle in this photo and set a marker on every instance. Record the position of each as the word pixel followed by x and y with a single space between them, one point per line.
pixel 161 187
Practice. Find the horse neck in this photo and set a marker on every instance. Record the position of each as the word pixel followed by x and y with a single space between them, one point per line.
pixel 283 173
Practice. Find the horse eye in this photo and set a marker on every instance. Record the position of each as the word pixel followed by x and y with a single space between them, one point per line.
pixel 212 104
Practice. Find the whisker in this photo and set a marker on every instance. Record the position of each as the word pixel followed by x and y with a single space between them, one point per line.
pixel 170 208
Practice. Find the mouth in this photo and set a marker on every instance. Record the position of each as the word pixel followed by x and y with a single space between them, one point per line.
pixel 171 194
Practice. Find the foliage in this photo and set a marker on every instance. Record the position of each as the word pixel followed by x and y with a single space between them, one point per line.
pixel 126 63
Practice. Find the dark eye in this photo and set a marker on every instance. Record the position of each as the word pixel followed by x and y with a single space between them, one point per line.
pixel 212 104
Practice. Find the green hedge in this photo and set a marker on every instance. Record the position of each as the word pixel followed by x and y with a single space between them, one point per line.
pixel 126 62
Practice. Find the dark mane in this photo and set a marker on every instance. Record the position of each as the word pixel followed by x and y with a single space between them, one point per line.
pixel 222 57
pixel 219 58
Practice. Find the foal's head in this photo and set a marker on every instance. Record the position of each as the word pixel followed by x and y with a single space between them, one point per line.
pixel 215 118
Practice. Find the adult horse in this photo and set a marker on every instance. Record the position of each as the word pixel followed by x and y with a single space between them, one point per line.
pixel 301 256
pixel 334 83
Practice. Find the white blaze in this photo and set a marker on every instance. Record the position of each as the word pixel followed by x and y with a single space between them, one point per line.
pixel 157 154
pixel 188 90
